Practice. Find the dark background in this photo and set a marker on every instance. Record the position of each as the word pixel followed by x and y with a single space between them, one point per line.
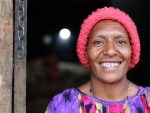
pixel 48 17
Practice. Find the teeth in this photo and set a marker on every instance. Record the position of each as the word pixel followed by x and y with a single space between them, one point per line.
pixel 110 65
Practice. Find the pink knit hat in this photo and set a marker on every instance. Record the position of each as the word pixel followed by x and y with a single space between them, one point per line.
pixel 109 13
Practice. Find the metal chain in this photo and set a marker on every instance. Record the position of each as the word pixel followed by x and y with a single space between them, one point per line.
pixel 21 29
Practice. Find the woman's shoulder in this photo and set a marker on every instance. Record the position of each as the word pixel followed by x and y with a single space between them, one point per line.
pixel 66 95
pixel 64 102
pixel 146 93
pixel 146 90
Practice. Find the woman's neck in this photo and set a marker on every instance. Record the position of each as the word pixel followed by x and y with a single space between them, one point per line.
pixel 109 91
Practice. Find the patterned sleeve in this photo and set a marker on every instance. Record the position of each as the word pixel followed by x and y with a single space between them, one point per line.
pixel 147 93
pixel 65 102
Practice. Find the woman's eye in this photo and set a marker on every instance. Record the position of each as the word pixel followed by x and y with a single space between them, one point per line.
pixel 121 42
pixel 98 42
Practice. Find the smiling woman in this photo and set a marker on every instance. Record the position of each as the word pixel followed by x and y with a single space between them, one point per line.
pixel 109 46
pixel 108 51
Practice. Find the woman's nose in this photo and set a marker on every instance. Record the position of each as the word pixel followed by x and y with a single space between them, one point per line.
pixel 110 49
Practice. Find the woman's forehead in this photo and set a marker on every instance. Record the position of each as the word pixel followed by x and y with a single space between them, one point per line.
pixel 109 25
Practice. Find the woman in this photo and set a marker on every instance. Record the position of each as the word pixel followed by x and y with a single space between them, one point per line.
pixel 109 46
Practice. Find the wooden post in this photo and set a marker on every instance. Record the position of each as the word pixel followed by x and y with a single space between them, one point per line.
pixel 20 56
pixel 6 55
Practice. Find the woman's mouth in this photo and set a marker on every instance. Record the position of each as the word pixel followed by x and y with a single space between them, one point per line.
pixel 110 65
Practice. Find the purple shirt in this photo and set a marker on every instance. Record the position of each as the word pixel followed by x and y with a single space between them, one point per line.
pixel 73 101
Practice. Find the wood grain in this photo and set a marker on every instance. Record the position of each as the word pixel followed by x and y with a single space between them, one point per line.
pixel 6 55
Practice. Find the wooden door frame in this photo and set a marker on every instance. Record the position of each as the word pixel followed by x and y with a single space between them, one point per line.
pixel 19 92
pixel 12 65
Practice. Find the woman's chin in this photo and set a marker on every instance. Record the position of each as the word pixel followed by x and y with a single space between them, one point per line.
pixel 110 79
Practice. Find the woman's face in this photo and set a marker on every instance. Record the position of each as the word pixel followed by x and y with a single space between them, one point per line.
pixel 109 51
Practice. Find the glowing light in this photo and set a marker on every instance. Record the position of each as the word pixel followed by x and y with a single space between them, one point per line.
pixel 64 33
pixel 47 39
